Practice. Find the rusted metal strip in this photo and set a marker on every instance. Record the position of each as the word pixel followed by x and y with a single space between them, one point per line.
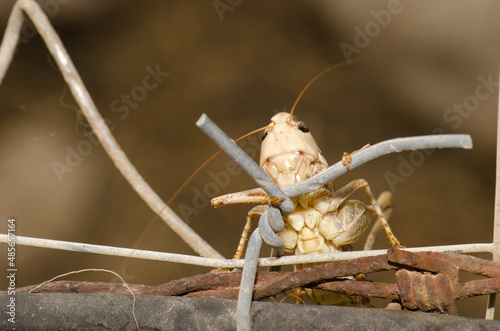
pixel 426 281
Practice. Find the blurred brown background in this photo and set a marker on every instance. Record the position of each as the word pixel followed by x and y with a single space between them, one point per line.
pixel 424 58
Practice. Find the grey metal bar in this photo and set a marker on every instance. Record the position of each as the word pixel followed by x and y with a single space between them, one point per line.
pixel 247 282
pixel 269 223
pixel 372 152
pixel 244 161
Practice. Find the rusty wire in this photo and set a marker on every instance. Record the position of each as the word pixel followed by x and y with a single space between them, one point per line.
pixel 426 281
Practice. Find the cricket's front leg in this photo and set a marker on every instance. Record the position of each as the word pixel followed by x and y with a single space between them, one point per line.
pixel 250 196
pixel 252 214
pixel 256 195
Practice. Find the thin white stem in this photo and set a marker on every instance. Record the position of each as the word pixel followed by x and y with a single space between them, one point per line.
pixel 226 263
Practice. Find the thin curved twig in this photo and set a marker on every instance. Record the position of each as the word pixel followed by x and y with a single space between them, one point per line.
pixel 82 96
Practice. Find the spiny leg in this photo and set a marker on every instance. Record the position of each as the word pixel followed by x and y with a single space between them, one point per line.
pixel 343 193
pixel 392 238
pixel 385 200
pixel 252 214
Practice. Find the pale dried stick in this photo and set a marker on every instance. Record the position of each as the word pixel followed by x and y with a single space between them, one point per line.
pixel 229 263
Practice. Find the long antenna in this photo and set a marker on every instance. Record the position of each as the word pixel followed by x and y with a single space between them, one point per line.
pixel 204 164
pixel 330 68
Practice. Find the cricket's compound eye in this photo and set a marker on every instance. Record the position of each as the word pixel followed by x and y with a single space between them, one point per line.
pixel 302 126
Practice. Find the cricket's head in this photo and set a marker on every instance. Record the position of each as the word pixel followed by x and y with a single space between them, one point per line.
pixel 289 153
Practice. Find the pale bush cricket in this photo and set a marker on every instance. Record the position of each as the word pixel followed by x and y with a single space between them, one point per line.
pixel 322 221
